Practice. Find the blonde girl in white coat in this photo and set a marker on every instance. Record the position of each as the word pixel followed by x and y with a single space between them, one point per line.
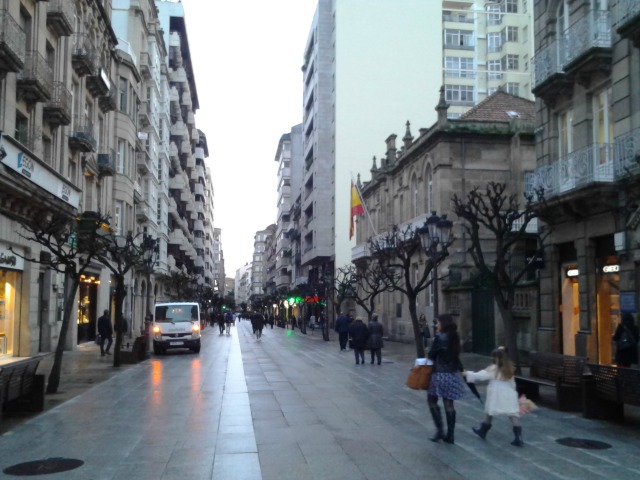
pixel 502 397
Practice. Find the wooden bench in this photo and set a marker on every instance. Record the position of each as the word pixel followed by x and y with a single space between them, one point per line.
pixel 20 385
pixel 564 373
pixel 608 389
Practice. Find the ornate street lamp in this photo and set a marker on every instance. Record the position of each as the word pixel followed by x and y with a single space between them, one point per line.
pixel 435 237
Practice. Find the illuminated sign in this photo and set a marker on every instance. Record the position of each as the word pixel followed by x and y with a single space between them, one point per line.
pixel 572 272
pixel 611 269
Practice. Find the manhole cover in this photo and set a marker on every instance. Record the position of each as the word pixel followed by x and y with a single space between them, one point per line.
pixel 44 467
pixel 583 443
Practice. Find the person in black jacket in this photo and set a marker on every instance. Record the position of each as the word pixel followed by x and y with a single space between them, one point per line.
pixel 376 332
pixel 626 339
pixel 359 334
pixel 105 329
pixel 446 380
pixel 342 327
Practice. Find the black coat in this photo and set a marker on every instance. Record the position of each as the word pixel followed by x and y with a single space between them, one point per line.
pixel 359 334
pixel 376 332
pixel 342 324
pixel 445 358
pixel 629 355
pixel 105 329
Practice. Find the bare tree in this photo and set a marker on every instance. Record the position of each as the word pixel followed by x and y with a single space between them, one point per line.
pixel 72 244
pixel 397 252
pixel 364 283
pixel 508 257
pixel 121 254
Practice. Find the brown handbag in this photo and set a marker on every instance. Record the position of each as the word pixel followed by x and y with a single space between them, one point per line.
pixel 419 377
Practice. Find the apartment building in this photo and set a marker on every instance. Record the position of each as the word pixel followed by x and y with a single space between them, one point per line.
pixel 587 85
pixel 494 141
pixel 363 75
pixel 85 118
pixel 487 45
pixel 242 286
pixel 259 265
pixel 56 101
pixel 190 215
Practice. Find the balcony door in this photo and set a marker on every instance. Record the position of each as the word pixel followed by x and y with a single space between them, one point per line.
pixel 603 136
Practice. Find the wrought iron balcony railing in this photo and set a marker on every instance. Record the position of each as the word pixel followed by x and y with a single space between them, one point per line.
pixel 35 81
pixel 60 17
pixel 12 43
pixel 546 63
pixel 627 154
pixel 58 109
pixel 591 31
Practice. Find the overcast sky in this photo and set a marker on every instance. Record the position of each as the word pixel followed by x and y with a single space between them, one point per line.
pixel 247 56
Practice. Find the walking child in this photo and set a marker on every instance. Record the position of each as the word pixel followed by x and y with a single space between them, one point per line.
pixel 502 397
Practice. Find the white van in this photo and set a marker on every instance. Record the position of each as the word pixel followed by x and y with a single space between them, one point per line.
pixel 176 325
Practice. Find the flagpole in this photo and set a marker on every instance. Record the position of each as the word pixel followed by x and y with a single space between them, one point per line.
pixel 364 206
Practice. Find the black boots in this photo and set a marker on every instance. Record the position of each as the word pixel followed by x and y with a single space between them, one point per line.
pixel 437 420
pixel 482 430
pixel 517 441
pixel 451 425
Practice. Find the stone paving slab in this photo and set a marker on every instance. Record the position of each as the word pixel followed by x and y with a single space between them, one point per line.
pixel 292 407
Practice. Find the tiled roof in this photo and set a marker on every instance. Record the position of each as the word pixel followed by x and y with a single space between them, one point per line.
pixel 502 106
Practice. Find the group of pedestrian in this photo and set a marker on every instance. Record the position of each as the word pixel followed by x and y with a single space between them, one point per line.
pixel 363 337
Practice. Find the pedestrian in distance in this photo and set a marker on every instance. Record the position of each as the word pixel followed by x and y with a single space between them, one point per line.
pixel 359 336
pixel 258 325
pixel 105 329
pixel 502 397
pixel 376 332
pixel 221 324
pixel 446 380
pixel 424 329
pixel 342 328
pixel 228 320
pixel 626 339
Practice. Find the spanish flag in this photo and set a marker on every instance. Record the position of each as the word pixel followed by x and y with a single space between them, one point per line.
pixel 356 207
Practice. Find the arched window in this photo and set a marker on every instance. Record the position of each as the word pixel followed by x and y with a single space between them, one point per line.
pixel 414 196
pixel 428 204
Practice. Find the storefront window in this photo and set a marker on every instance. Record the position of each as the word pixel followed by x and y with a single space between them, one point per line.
pixel 608 297
pixel 7 307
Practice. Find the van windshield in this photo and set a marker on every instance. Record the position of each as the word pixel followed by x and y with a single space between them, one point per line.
pixel 176 313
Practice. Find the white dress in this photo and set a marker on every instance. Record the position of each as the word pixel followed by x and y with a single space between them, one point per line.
pixel 502 397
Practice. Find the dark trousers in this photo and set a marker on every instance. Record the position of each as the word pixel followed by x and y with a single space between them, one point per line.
pixel 221 327
pixel 343 338
pixel 376 353
pixel 109 341
pixel 359 355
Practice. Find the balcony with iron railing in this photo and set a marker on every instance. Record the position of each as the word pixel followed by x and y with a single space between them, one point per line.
pixel 579 169
pixel 546 65
pixel 60 17
pixel 57 111
pixel 12 43
pixel 144 113
pixel 627 155
pixel 107 162
pixel 81 135
pixel 83 56
pixel 109 102
pixel 588 42
pixel 98 82
pixel 35 80
pixel 626 19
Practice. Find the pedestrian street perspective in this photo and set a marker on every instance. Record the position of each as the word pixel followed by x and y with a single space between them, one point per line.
pixel 293 406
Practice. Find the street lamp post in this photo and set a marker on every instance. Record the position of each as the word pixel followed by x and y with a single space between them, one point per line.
pixel 435 237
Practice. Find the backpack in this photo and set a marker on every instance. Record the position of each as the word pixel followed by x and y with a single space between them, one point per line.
pixel 626 340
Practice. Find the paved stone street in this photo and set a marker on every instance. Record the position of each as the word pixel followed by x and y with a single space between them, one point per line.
pixel 292 406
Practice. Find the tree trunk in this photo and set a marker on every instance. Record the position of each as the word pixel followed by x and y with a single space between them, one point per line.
pixel 70 290
pixel 417 335
pixel 119 304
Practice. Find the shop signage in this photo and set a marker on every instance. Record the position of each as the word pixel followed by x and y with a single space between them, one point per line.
pixel 11 259
pixel 572 272
pixel 39 173
pixel 611 269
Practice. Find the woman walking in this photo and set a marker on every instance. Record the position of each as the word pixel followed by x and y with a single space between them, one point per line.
pixel 502 397
pixel 446 381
